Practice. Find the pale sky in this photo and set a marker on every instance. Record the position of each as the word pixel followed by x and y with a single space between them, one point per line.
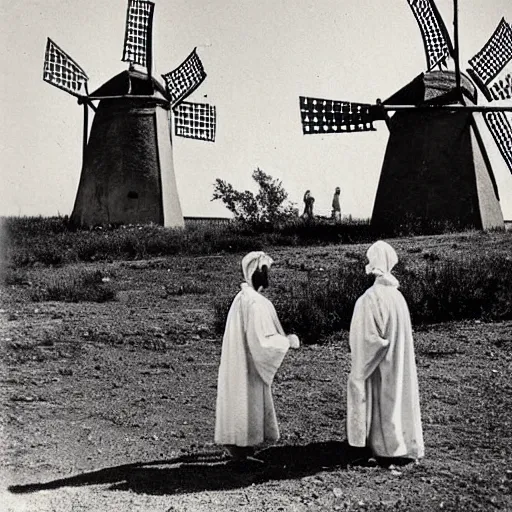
pixel 260 56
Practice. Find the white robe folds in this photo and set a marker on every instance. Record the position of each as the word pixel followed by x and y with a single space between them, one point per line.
pixel 253 348
pixel 383 409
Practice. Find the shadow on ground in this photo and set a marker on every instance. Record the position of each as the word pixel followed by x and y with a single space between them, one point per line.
pixel 213 471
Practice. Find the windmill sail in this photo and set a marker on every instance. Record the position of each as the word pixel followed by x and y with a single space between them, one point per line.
pixel 501 89
pixel 185 79
pixel 500 126
pixel 491 68
pixel 62 71
pixel 195 121
pixel 137 38
pixel 328 116
pixel 438 46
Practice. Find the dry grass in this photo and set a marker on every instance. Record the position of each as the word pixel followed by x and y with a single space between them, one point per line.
pixel 437 289
pixel 76 286
pixel 32 240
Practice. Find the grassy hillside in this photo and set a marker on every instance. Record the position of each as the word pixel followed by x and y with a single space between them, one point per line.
pixel 445 277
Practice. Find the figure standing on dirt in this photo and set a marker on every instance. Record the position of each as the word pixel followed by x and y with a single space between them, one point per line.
pixel 253 348
pixel 336 207
pixel 383 407
pixel 308 205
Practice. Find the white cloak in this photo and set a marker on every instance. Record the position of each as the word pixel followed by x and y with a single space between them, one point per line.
pixel 253 348
pixel 383 408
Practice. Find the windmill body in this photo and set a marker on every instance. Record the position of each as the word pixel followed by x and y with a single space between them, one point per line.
pixel 127 169
pixel 436 170
pixel 128 172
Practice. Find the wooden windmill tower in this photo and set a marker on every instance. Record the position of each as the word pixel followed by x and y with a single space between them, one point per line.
pixel 127 170
pixel 436 169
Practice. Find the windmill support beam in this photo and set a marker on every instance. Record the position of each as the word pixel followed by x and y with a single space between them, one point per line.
pixel 86 132
pixel 129 97
pixel 452 108
pixel 86 101
pixel 456 44
pixel 91 104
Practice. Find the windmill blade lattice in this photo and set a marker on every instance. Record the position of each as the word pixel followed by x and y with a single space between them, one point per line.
pixel 490 63
pixel 437 42
pixel 185 79
pixel 501 89
pixel 195 121
pixel 62 71
pixel 500 126
pixel 328 116
pixel 137 39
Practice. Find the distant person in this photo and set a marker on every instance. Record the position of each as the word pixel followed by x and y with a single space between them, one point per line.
pixel 383 407
pixel 253 348
pixel 308 205
pixel 336 208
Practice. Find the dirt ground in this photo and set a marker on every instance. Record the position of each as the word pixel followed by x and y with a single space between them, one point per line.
pixel 111 406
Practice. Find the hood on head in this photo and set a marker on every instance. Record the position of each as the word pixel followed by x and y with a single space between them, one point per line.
pixel 381 258
pixel 252 261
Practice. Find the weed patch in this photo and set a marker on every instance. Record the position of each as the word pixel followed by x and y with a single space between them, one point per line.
pixel 459 289
pixel 436 291
pixel 76 287
pixel 51 242
pixel 186 288
pixel 322 305
pixel 15 277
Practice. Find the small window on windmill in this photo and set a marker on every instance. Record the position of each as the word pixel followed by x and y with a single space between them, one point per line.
pixel 133 195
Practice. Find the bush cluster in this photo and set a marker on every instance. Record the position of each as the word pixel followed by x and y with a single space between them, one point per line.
pixel 48 240
pixel 459 289
pixel 436 291
pixel 268 206
pixel 51 241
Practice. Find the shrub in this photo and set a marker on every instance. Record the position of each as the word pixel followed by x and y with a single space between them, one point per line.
pixel 313 308
pixel 459 289
pixel 269 206
pixel 319 307
pixel 414 226
pixel 48 255
pixel 436 291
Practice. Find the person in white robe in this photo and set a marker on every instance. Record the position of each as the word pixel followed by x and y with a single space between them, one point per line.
pixel 383 407
pixel 253 348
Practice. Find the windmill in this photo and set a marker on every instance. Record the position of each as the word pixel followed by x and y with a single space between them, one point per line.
pixel 436 169
pixel 127 172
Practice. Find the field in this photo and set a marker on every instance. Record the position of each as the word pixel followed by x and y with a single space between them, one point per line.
pixel 110 405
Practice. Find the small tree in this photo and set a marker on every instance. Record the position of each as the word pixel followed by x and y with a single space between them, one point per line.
pixel 269 206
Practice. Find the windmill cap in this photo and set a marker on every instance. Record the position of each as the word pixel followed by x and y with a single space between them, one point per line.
pixel 433 87
pixel 130 82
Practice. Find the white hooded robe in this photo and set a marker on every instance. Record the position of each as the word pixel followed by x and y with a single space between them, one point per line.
pixel 253 348
pixel 383 408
